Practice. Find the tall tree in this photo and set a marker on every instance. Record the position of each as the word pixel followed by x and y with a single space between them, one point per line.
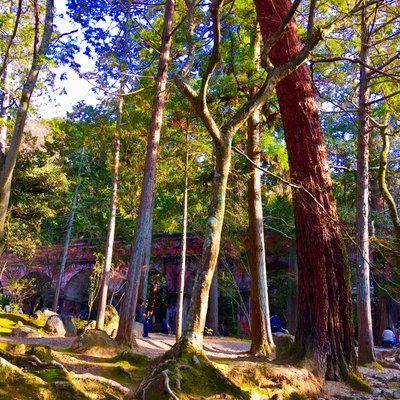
pixel 39 54
pixel 366 352
pixel 222 141
pixel 143 232
pixel 325 330
pixel 261 335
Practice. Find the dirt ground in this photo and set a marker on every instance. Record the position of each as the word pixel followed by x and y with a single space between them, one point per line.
pixel 385 383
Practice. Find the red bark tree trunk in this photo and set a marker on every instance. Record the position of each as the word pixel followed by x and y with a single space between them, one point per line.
pixel 325 330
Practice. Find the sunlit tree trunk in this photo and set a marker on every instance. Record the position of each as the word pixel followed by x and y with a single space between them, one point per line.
pixel 261 335
pixel 366 353
pixel 182 272
pixel 27 90
pixel 4 106
pixel 67 240
pixel 143 232
pixel 101 309
pixel 325 330
pixel 199 301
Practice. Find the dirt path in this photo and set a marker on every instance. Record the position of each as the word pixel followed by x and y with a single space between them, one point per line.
pixel 157 345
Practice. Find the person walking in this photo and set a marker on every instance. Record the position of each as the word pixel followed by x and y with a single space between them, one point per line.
pixel 141 317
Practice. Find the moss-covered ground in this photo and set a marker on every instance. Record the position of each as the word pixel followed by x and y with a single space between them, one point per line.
pixel 8 321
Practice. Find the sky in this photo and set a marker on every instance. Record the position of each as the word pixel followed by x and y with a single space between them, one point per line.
pixel 76 89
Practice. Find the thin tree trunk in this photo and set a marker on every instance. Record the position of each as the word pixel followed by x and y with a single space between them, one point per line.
pixel 5 103
pixel 212 313
pixel 293 278
pixel 143 232
pixel 152 298
pixel 325 330
pixel 111 217
pixel 67 240
pixel 206 269
pixel 27 90
pixel 387 197
pixel 366 352
pixel 182 272
pixel 261 335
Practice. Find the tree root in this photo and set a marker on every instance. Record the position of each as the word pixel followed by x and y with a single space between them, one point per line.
pixel 101 379
pixel 43 364
pixel 165 374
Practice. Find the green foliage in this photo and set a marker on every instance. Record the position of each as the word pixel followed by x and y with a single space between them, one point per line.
pixel 20 289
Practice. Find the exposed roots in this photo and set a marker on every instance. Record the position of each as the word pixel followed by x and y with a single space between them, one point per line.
pixel 185 373
pixel 165 374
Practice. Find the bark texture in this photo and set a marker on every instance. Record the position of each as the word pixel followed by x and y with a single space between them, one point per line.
pixel 143 233
pixel 366 352
pixel 261 335
pixel 205 272
pixel 325 330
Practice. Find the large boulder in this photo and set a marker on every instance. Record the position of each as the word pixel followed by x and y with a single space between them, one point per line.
pixel 96 343
pixel 111 320
pixel 25 331
pixel 284 343
pixel 70 328
pixel 55 326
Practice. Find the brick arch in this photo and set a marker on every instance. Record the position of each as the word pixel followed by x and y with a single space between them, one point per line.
pixel 75 293
pixel 43 292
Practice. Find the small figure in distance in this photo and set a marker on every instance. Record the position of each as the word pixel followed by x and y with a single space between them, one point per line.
pixel 165 328
pixel 388 338
pixel 276 325
pixel 140 317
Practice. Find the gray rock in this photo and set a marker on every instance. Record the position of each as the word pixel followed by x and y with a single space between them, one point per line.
pixel 55 326
pixel 111 320
pixel 70 328
pixel 25 331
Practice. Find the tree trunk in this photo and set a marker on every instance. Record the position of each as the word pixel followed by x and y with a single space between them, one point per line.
pixel 209 257
pixel 143 232
pixel 111 217
pixel 182 272
pixel 212 314
pixel 261 335
pixel 67 240
pixel 293 278
pixel 27 90
pixel 5 104
pixel 325 329
pixel 366 352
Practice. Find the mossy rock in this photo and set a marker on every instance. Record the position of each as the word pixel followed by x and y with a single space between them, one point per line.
pixel 285 345
pixel 16 349
pixel 96 343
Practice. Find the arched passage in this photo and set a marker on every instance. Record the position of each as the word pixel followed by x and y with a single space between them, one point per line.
pixel 76 293
pixel 41 292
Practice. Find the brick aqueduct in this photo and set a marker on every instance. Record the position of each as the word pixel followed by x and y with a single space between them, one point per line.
pixel 165 256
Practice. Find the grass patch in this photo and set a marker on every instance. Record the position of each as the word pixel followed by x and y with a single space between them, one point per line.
pixel 8 321
pixel 41 352
pixel 52 375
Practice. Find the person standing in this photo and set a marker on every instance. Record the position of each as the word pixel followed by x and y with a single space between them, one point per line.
pixel 140 317
pixel 388 338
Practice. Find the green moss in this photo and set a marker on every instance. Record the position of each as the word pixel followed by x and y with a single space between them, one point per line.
pixel 376 366
pixel 357 383
pixel 8 321
pixel 41 352
pixel 52 375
